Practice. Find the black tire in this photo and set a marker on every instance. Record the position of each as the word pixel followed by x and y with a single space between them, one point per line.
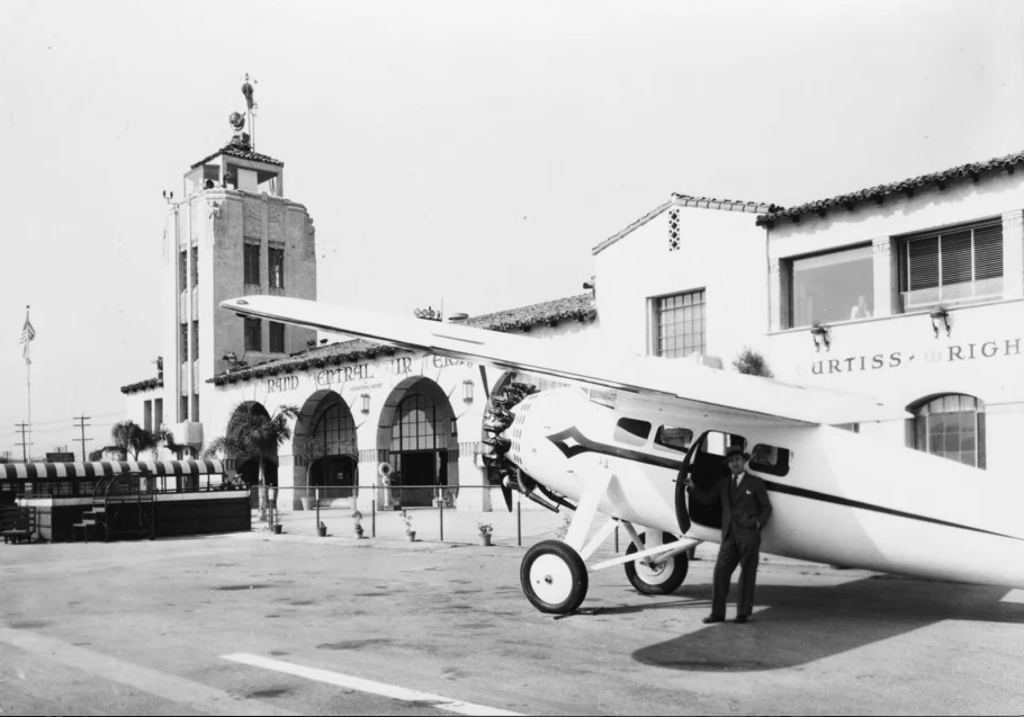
pixel 569 592
pixel 669 578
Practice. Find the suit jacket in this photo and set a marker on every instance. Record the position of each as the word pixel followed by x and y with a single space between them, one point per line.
pixel 744 509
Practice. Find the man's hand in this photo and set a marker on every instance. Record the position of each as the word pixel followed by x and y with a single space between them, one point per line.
pixel 688 482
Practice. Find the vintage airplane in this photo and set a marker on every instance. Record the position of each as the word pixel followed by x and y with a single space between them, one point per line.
pixel 622 443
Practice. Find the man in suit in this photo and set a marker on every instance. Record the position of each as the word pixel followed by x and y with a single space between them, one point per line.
pixel 745 512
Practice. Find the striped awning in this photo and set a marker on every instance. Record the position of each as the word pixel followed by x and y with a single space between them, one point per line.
pixel 44 471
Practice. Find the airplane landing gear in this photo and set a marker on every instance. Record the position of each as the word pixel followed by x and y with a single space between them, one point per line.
pixel 554 577
pixel 657 575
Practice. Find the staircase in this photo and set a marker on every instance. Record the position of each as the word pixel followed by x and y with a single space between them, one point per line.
pixel 120 509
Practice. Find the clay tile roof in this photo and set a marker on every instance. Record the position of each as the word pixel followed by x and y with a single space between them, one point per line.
pixel 146 385
pixel 729 205
pixel 905 187
pixel 687 200
pixel 241 152
pixel 573 308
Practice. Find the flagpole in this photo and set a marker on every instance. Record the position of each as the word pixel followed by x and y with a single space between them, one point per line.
pixel 28 385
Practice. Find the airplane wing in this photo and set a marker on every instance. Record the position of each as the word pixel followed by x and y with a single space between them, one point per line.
pixel 697 386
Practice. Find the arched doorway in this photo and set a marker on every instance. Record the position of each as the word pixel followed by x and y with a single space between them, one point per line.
pixel 326 447
pixel 418 435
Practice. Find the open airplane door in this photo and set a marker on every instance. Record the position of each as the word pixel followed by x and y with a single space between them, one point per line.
pixel 682 514
pixel 705 467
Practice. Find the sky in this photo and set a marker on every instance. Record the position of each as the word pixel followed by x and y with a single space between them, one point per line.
pixel 466 152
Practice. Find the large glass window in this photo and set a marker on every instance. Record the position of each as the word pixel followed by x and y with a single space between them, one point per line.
pixel 955 266
pixel 253 335
pixel 252 263
pixel 276 338
pixel 838 286
pixel 419 426
pixel 953 427
pixel 275 257
pixel 336 431
pixel 182 271
pixel 680 324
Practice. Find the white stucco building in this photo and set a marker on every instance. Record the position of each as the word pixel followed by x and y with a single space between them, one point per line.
pixel 913 291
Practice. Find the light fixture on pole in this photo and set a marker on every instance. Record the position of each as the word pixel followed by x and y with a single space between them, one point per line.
pixel 467 391
pixel 940 319
pixel 365 398
pixel 820 335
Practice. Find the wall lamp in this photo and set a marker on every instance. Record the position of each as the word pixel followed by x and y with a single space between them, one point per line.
pixel 365 398
pixel 940 319
pixel 467 391
pixel 820 335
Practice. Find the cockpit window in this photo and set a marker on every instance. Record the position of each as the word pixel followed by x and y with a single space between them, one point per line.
pixel 632 431
pixel 770 459
pixel 674 437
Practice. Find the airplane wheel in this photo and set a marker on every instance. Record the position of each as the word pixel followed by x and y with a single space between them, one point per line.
pixel 554 577
pixel 660 579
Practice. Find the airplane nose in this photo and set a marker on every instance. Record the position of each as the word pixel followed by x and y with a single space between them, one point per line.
pixel 497 419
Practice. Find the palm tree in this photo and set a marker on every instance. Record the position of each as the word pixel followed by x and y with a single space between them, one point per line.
pixel 130 439
pixel 253 434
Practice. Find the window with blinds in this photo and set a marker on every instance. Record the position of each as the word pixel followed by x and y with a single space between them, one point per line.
pixel 955 266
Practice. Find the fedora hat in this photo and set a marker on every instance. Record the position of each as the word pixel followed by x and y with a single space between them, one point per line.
pixel 736 451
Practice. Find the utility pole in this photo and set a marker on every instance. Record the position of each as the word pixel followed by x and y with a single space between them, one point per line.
pixel 82 425
pixel 23 427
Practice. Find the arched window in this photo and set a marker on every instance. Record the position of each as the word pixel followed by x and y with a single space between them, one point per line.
pixel 952 426
pixel 336 430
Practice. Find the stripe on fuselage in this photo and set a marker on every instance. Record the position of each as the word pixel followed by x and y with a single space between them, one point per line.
pixel 571 442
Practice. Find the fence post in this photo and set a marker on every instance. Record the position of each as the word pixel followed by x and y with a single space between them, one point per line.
pixel 373 518
pixel 316 494
pixel 441 513
pixel 616 538
pixel 519 524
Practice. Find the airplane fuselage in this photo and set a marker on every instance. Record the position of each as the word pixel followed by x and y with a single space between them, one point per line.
pixel 838 497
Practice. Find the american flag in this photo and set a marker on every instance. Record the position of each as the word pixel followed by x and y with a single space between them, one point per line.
pixel 27 334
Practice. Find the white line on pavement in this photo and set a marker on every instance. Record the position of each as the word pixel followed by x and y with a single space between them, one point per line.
pixel 374 688
pixel 169 687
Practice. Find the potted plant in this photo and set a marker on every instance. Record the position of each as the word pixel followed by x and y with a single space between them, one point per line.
pixel 485 530
pixel 277 528
pixel 321 530
pixel 307 500
pixel 358 526
pixel 409 532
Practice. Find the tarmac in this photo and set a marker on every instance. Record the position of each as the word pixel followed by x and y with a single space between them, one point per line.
pixel 258 623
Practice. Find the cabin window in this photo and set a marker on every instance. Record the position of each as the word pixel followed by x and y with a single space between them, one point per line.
pixel 632 431
pixel 769 459
pixel 837 286
pixel 952 426
pixel 673 437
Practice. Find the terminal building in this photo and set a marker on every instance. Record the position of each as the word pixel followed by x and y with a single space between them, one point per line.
pixel 912 291
pixel 360 404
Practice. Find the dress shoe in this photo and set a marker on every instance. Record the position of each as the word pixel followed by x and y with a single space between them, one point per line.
pixel 740 619
pixel 713 618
